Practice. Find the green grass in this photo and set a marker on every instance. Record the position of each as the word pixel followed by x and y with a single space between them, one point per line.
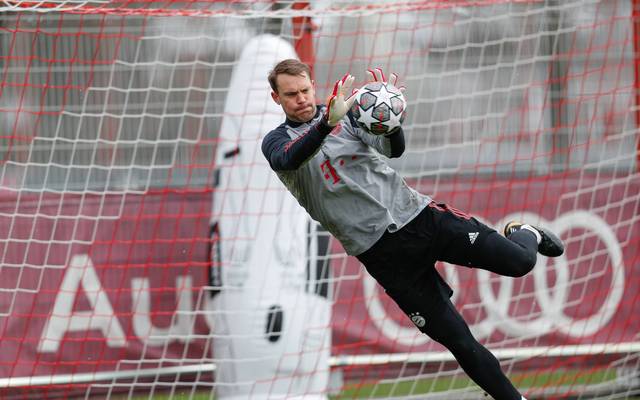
pixel 180 395
pixel 523 381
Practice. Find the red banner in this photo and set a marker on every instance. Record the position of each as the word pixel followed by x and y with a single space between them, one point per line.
pixel 90 281
pixel 587 296
pixel 93 283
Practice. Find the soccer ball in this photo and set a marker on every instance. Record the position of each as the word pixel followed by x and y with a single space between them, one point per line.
pixel 379 108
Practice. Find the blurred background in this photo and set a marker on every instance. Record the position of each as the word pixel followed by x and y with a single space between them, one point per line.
pixel 139 220
pixel 113 102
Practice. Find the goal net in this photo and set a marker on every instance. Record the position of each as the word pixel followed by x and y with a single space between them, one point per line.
pixel 148 251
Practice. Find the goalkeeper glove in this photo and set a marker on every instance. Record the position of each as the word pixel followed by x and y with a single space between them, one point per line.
pixel 376 75
pixel 337 105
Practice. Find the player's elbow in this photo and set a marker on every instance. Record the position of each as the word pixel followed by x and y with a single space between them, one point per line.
pixel 281 163
pixel 286 167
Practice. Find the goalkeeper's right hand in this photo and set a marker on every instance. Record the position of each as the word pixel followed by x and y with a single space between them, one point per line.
pixel 337 105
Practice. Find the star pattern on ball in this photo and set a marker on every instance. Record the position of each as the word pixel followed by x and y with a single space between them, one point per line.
pixel 374 108
pixel 366 117
pixel 384 96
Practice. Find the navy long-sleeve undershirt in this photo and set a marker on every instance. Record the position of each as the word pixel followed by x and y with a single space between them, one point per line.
pixel 286 154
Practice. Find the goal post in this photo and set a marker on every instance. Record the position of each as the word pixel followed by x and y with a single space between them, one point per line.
pixel 147 249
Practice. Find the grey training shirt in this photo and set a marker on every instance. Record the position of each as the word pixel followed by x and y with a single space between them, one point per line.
pixel 342 182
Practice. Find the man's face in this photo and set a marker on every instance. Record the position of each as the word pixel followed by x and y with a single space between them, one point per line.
pixel 296 96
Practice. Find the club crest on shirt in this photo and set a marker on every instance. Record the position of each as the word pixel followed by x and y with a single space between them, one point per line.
pixel 417 319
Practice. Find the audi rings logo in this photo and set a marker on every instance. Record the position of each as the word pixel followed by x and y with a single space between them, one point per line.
pixel 551 300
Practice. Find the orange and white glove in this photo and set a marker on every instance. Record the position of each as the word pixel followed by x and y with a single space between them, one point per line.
pixel 337 104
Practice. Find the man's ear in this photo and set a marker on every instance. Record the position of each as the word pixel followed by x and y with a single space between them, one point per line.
pixel 275 97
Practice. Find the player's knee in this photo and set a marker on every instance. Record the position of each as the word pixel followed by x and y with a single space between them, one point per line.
pixel 455 337
pixel 458 344
pixel 522 265
pixel 525 265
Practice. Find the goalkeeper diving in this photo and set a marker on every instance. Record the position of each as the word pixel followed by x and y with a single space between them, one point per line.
pixel 334 170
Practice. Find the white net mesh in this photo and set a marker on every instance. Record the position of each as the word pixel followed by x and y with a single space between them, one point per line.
pixel 147 251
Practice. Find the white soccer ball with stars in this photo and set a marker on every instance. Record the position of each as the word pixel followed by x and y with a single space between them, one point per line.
pixel 379 108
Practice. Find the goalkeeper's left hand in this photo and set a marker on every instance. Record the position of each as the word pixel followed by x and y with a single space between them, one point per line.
pixel 376 75
pixel 337 105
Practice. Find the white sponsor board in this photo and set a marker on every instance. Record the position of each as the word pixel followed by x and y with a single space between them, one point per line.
pixel 271 338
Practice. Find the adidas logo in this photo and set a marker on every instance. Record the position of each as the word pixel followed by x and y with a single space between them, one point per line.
pixel 473 236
